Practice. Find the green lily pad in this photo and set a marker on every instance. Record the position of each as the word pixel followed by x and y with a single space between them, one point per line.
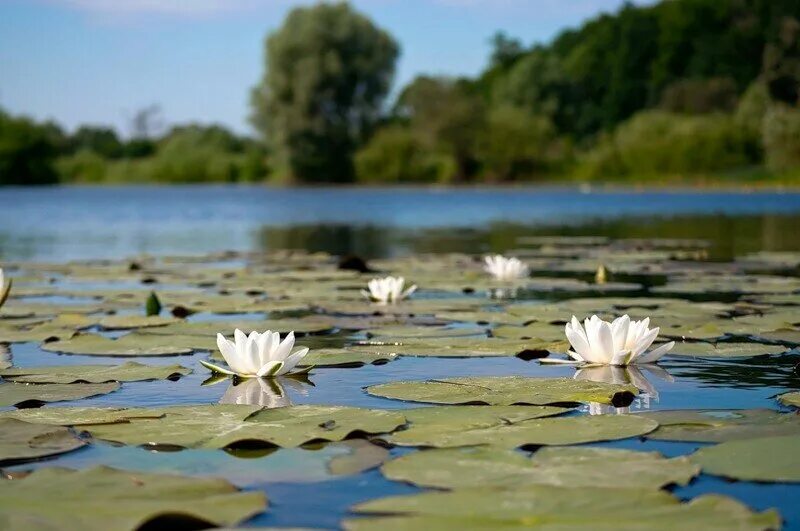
pixel 128 322
pixel 558 508
pixel 790 399
pixel 212 328
pixel 482 317
pixel 221 426
pixel 23 441
pixel 116 499
pixel 721 425
pixel 63 327
pixel 24 395
pixel 127 372
pixel 506 391
pixel 80 415
pixel 725 350
pixel 770 459
pixel 344 357
pixel 543 331
pixel 459 347
pixel 127 345
pixel 783 335
pixel 602 468
pixel 429 424
pixel 406 332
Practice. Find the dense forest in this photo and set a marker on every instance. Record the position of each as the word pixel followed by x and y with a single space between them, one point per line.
pixel 680 91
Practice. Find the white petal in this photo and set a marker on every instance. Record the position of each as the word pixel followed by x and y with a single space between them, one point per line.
pixel 578 342
pixel 270 369
pixel 605 342
pixel 229 353
pixel 620 330
pixel 655 354
pixel 295 358
pixel 283 350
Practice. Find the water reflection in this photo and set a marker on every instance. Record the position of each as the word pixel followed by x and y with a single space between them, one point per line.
pixel 265 392
pixel 636 375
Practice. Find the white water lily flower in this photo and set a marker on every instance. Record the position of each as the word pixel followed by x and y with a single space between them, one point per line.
pixel 622 342
pixel 4 288
pixel 387 290
pixel 258 355
pixel 505 269
pixel 269 393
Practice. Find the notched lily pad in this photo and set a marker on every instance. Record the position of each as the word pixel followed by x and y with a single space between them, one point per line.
pixel 127 372
pixel 223 426
pixel 22 441
pixel 790 399
pixel 710 425
pixel 35 395
pixel 104 498
pixel 506 391
pixel 125 346
pixel 602 468
pixel 345 357
pixel 550 507
pixel 769 459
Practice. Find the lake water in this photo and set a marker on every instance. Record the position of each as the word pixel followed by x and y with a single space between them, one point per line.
pixel 61 224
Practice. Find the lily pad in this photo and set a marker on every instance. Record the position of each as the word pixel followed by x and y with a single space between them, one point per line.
pixel 27 395
pixel 725 350
pixel 128 322
pixel 721 425
pixel 506 391
pixel 116 499
pixel 536 431
pixel 428 424
pixel 405 332
pixel 790 399
pixel 558 508
pixel 21 441
pixel 770 459
pixel 313 325
pixel 457 468
pixel 459 347
pixel 127 345
pixel 221 426
pixel 127 372
pixel 344 357
pixel 80 415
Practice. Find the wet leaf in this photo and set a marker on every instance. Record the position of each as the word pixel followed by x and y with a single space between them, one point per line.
pixel 558 508
pixel 506 391
pixel 221 426
pixel 129 322
pixel 127 372
pixel 720 425
pixel 127 345
pixel 26 395
pixel 725 350
pixel 790 399
pixel 21 441
pixel 345 357
pixel 770 459
pixel 117 499
pixel 602 468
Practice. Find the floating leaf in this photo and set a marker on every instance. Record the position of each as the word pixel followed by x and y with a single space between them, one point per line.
pixel 790 399
pixel 129 322
pixel 725 350
pixel 547 507
pixel 408 331
pixel 600 468
pixel 458 347
pixel 764 459
pixel 506 391
pixel 23 441
pixel 127 372
pixel 220 426
pixel 107 498
pixel 212 328
pixel 363 456
pixel 344 357
pixel 80 415
pixel 720 425
pixel 127 345
pixel 26 395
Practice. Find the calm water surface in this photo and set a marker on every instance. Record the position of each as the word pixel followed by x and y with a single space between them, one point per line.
pixel 58 224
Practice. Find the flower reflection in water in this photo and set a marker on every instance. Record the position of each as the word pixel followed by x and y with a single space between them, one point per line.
pixel 630 374
pixel 269 393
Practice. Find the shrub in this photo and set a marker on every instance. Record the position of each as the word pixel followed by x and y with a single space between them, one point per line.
pixel 85 166
pixel 781 130
pixel 394 154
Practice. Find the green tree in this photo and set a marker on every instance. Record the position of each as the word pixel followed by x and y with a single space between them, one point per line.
pixel 396 155
pixel 102 140
pixel 27 151
pixel 328 70
pixel 447 117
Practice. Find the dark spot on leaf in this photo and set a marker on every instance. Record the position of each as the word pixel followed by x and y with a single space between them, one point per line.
pixel 533 354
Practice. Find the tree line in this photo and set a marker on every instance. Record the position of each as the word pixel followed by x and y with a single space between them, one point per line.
pixel 680 90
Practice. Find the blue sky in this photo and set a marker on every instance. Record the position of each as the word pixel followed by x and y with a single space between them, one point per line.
pixel 98 61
